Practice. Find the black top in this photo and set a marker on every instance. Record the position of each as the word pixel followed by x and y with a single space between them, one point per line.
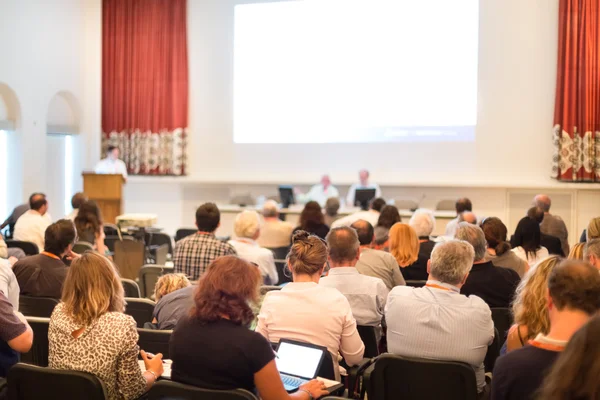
pixel 41 276
pixel 218 355
pixel 418 270
pixel 519 374
pixel 320 230
pixel 495 285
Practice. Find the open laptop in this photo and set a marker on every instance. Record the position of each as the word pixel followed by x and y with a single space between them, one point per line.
pixel 298 362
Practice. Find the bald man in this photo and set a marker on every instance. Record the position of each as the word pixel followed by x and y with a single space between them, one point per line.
pixel 31 226
pixel 552 225
pixel 363 177
pixel 319 192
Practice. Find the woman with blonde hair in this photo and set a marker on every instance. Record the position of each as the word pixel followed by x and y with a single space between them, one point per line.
pixel 89 332
pixel 404 246
pixel 530 305
pixel 169 283
pixel 576 252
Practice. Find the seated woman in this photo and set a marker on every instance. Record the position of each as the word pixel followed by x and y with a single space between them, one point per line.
pixel 312 220
pixel 404 246
pixel 576 252
pixel 212 346
pixel 89 332
pixel 168 284
pixel 529 307
pixel 388 216
pixel 527 242
pixel 247 231
pixel 305 311
pixel 498 251
pixel 90 226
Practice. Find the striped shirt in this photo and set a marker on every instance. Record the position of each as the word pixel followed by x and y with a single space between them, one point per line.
pixel 437 322
pixel 194 253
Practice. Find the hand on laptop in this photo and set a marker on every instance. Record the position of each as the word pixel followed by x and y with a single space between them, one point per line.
pixel 315 388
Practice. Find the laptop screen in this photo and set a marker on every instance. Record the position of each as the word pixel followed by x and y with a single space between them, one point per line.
pixel 295 359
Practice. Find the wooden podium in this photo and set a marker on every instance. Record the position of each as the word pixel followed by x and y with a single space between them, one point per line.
pixel 107 191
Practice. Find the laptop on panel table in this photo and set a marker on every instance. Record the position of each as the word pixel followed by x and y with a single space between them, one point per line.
pixel 298 362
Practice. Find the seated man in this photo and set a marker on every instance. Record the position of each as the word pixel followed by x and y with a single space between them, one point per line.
pixel 247 231
pixel 552 225
pixel 172 306
pixel 363 178
pixel 8 281
pixel 15 336
pixel 371 215
pixel 495 285
pixel 194 253
pixel 31 226
pixel 436 321
pixel 463 204
pixel 76 201
pixel 43 275
pixel 423 222
pixel 274 233
pixel 573 297
pixel 376 263
pixel 366 294
pixel 319 192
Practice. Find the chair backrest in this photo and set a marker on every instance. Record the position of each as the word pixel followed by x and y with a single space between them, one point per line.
pixel 29 248
pixel 38 355
pixel 169 390
pixel 266 289
pixel 396 377
pixel 82 247
pixel 406 204
pixel 503 320
pixel 131 288
pixel 110 240
pixel 369 338
pixel 446 205
pixel 493 352
pixel 149 275
pixel 157 239
pixel 415 283
pixel 129 258
pixel 154 341
pixel 37 306
pixel 30 382
pixel 282 270
pixel 111 230
pixel 140 309
pixel 280 253
pixel 184 232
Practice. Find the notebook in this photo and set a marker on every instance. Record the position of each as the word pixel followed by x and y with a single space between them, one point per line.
pixel 298 362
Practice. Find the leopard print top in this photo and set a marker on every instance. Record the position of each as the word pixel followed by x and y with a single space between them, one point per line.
pixel 107 348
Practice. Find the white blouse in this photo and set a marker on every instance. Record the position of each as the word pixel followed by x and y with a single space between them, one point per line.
pixel 540 255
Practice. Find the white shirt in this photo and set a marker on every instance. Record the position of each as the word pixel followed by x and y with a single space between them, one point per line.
pixel 439 324
pixel 109 166
pixel 540 255
pixel 370 216
pixel 31 227
pixel 352 192
pixel 9 284
pixel 451 228
pixel 319 194
pixel 250 251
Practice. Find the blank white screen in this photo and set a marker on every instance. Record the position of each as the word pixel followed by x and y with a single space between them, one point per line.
pixel 298 360
pixel 355 71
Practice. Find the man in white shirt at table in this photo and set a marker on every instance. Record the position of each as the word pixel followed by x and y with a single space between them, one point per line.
pixel 111 164
pixel 319 192
pixel 363 176
pixel 31 226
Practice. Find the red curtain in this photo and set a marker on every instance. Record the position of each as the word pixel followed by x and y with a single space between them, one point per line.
pixel 577 103
pixel 145 83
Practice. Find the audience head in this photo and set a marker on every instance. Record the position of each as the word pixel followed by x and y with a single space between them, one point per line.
pixel 332 205
pixel 308 254
pixel 576 252
pixel 218 295
pixel 463 204
pixel 311 216
pixel 382 237
pixel 377 204
pixel 529 306
pixel 344 247
pixel 573 286
pixel 473 235
pixel 88 221
pixel 169 283
pixel 270 209
pixel 38 202
pixel 78 199
pixel 451 262
pixel 593 229
pixel 247 225
pixel 536 214
pixel 112 152
pixel 423 222
pixel 60 237
pixel 92 288
pixel 591 252
pixel 542 201
pixel 208 217
pixel 527 235
pixel 388 216
pixel 365 232
pixel 404 244
pixel 363 177
pixel 495 235
pixel 467 216
pixel 325 181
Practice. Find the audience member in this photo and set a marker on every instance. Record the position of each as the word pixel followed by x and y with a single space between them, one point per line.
pixel 3 247
pixel 168 284
pixel 498 249
pixel 275 233
pixel 247 231
pixel 194 253
pixel 552 243
pixel 423 222
pixel 463 204
pixel 321 315
pixel 404 246
pixel 201 344
pixel 312 220
pixel 529 306
pixel 13 252
pixel 527 242
pixel 552 225
pixel 468 217
pixel 30 226
pixel 76 201
pixel 8 282
pixel 15 335
pixel 437 321
pixel 43 275
pixel 388 216
pixel 371 215
pixel 14 217
pixel 577 252
pixel 363 177
pixel 574 375
pixel 89 332
pixel 376 263
pixel 366 294
pixel 573 297
pixel 90 228
pixel 171 307
pixel 332 206
pixel 111 164
pixel 319 192
pixel 593 230
pixel 591 253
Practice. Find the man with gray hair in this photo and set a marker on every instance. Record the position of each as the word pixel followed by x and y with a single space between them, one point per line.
pixel 495 285
pixel 591 253
pixel 423 222
pixel 275 233
pixel 438 322
pixel 366 294
pixel 552 225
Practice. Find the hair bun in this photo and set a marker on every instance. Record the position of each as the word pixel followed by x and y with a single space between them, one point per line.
pixel 300 236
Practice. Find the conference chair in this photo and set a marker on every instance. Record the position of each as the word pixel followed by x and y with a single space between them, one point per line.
pixel 285 275
pixel 493 352
pixel 111 230
pixel 38 355
pixel 131 288
pixel 154 341
pixel 82 247
pixel 503 320
pixel 37 306
pixel 110 241
pixel 29 248
pixel 169 390
pixel 446 205
pixel 158 239
pixel 266 289
pixel 369 338
pixel 406 204
pixel 30 382
pixel 140 309
pixel 416 284
pixel 184 232
pixel 396 377
pixel 129 257
pixel 149 275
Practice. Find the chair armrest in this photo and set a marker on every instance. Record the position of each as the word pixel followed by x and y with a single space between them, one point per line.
pixel 354 374
pixel 366 376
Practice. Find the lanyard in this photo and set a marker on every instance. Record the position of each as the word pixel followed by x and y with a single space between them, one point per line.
pixel 435 286
pixel 50 255
pixel 540 343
